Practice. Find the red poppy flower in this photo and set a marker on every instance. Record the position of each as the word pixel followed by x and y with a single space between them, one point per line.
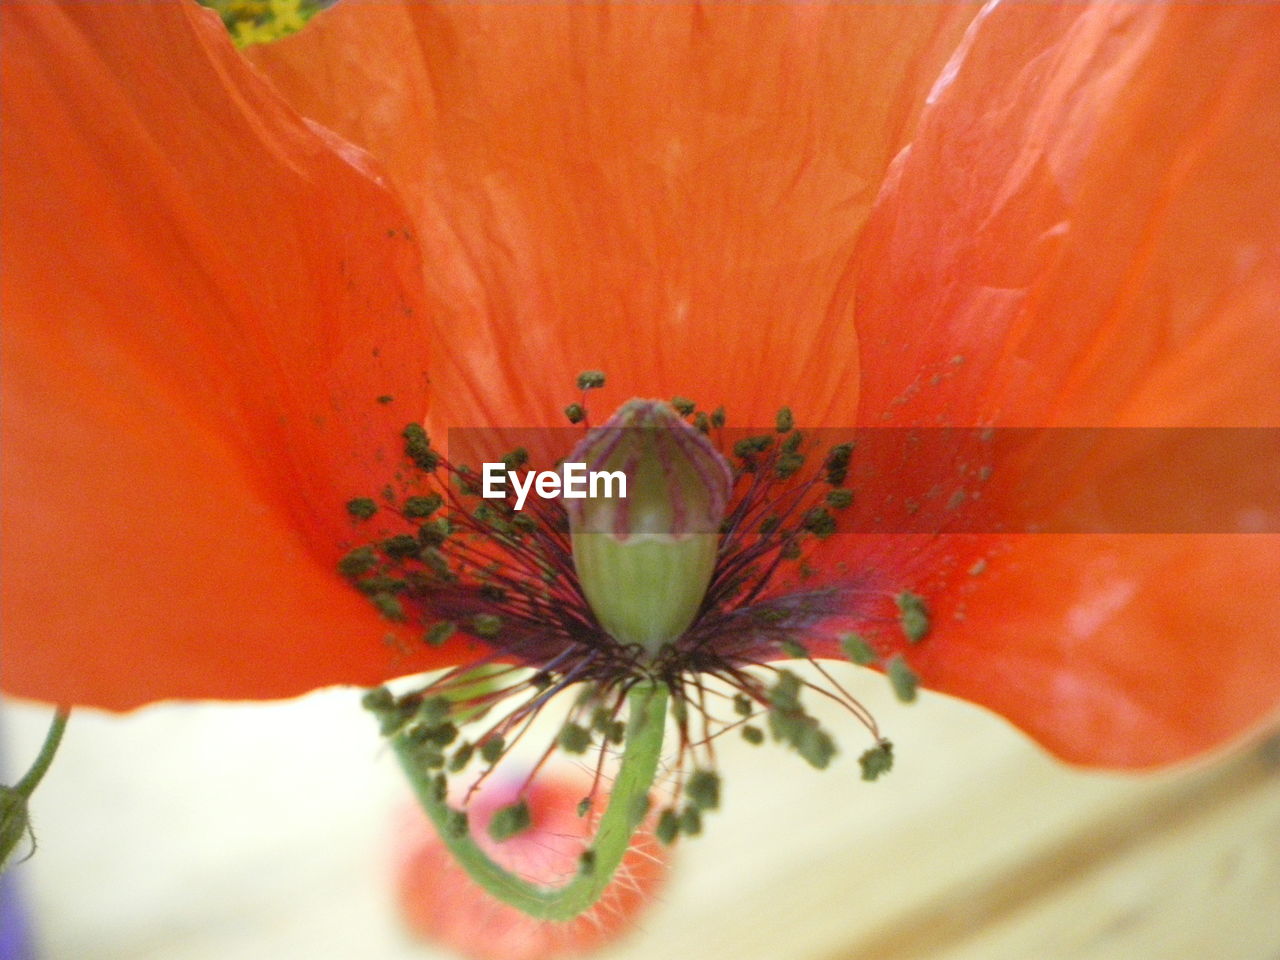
pixel 215 272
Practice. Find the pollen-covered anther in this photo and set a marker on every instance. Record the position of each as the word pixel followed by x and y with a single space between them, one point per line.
pixel 660 540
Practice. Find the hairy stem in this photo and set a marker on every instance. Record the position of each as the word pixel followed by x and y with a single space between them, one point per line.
pixel 27 785
pixel 626 809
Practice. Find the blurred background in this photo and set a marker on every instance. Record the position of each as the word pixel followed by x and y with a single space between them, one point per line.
pixel 230 832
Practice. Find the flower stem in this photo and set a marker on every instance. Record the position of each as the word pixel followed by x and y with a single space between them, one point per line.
pixel 14 820
pixel 31 779
pixel 626 810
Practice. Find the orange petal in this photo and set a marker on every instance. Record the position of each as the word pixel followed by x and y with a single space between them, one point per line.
pixel 666 192
pixel 203 296
pixel 1087 232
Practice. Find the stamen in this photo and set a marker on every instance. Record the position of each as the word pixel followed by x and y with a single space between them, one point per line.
pixel 664 604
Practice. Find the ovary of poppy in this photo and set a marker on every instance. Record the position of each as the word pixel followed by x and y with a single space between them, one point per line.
pixel 206 294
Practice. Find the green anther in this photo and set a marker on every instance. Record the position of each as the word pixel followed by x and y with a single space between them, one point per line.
pixel 684 406
pixel 440 787
pixel 492 748
pixel 691 821
pixel 362 508
pixel 575 413
pixel 507 822
pixel 816 746
pixel 584 806
pixel 785 693
pixel 461 757
pixel 433 711
pixel 819 522
pixel 794 650
pixel 358 562
pixel 417 447
pixel 718 417
pixel 668 827
pixel 742 705
pixel 590 380
pixel 454 824
pixel 615 732
pixel 748 447
pixel 587 862
pixel 644 562
pixel 858 650
pixel 753 735
pixel 876 761
pixel 379 700
pixel 389 606
pixel 701 422
pixel 381 584
pixel 913 615
pixel 516 459
pixel 703 789
pixel 386 398
pixel 789 465
pixel 438 633
pixel 785 421
pixel 839 498
pixel 433 533
pixel 486 625
pixel 419 508
pixel 837 464
pixel 902 678
pixel 574 739
pixel 401 547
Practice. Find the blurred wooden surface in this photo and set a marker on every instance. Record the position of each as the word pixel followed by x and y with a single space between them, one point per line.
pixel 237 832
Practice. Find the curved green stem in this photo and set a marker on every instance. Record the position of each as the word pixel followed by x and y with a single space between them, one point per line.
pixel 14 820
pixel 626 810
pixel 31 779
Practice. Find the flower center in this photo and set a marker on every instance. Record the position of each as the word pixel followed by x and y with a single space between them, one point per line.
pixel 674 600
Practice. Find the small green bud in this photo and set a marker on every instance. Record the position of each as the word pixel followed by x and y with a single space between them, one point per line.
pixel 644 561
pixel 575 413
pixel 590 380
